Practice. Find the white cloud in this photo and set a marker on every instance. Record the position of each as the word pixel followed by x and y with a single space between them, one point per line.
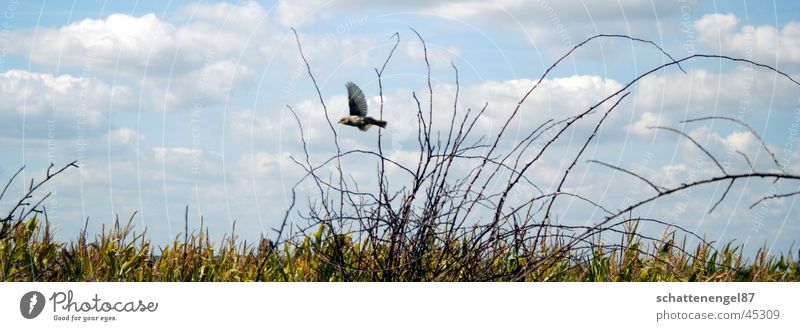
pixel 211 84
pixel 200 61
pixel 763 43
pixel 641 127
pixel 146 45
pixel 711 27
pixel 122 143
pixel 740 140
pixel 555 98
pixel 197 58
pixel 124 136
pixel 298 13
pixel 724 147
pixel 676 96
pixel 63 101
pixel 119 42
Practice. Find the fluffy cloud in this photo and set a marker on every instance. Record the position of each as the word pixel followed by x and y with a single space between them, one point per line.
pixel 200 57
pixel 119 42
pixel 200 61
pixel 677 96
pixel 211 84
pixel 760 43
pixel 145 45
pixel 555 98
pixel 56 103
pixel 642 125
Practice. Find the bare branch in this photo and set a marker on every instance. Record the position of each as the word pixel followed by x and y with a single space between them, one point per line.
pixel 749 128
pixel 724 194
pixel 710 156
pixel 656 188
pixel 774 196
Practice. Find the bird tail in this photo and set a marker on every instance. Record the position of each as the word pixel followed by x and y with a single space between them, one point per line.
pixel 379 123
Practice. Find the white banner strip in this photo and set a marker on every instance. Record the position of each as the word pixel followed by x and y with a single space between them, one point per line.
pixel 393 306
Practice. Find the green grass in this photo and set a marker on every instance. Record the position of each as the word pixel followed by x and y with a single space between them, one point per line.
pixel 119 254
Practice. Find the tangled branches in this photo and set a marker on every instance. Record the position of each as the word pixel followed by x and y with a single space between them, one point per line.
pixel 444 223
pixel 22 209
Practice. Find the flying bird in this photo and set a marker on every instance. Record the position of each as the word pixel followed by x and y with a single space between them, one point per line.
pixel 358 110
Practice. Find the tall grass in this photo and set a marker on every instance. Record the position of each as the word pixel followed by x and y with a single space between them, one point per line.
pixel 119 254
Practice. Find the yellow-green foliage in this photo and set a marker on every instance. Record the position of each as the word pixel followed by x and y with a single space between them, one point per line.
pixel 118 254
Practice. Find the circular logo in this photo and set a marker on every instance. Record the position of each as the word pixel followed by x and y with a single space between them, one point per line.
pixel 31 304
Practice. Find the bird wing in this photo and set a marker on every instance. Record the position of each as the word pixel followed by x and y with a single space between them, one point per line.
pixel 356 100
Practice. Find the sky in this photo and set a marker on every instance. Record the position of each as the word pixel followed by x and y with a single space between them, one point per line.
pixel 168 104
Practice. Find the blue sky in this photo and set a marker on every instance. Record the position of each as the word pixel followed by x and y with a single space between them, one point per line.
pixel 167 104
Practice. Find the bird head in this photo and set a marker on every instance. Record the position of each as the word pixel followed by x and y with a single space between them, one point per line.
pixel 343 120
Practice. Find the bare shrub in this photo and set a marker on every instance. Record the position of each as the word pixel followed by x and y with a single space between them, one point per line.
pixel 443 224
